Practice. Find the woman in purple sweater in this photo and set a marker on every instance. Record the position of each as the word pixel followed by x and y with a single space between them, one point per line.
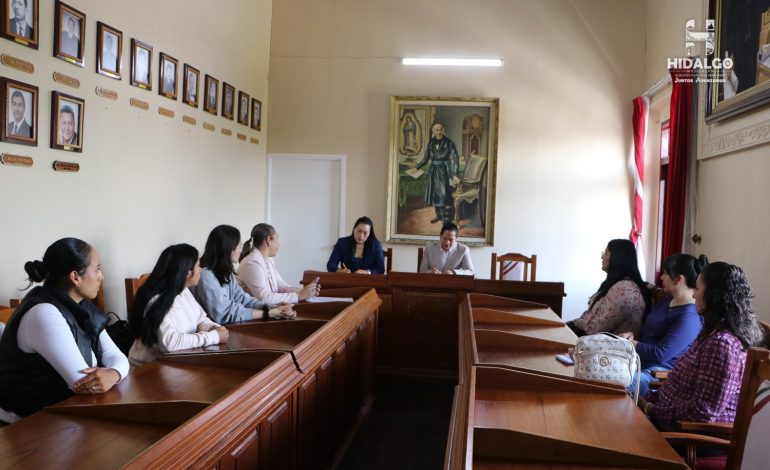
pixel 673 324
pixel 705 382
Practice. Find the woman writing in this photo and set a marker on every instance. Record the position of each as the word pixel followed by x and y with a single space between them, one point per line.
pixel 359 253
pixel 165 316
pixel 218 290
pixel 622 299
pixel 674 323
pixel 705 382
pixel 54 345
pixel 258 275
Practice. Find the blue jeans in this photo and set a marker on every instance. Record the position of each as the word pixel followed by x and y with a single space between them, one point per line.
pixel 645 377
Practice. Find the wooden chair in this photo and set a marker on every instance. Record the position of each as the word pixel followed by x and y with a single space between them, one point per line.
pixel 756 374
pixel 420 252
pixel 5 313
pixel 132 285
pixel 497 265
pixel 388 255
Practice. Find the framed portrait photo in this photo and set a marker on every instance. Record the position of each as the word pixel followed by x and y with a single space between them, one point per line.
pixel 256 114
pixel 20 21
pixel 141 64
pixel 67 114
pixel 211 103
pixel 69 34
pixel 191 78
pixel 109 50
pixel 443 159
pixel 168 73
pixel 19 112
pixel 228 100
pixel 243 108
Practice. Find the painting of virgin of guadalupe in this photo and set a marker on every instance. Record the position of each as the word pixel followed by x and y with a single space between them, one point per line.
pixel 443 155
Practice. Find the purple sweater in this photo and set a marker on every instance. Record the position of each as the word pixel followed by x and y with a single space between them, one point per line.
pixel 667 333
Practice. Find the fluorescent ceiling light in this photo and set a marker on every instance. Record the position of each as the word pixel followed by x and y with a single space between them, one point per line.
pixel 454 62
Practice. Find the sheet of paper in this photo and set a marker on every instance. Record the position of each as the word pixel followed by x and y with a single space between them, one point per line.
pixel 414 173
pixel 318 300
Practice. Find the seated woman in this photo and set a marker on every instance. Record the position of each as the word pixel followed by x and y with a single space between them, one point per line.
pixel 165 316
pixel 258 275
pixel 705 382
pixel 446 256
pixel 674 323
pixel 359 253
pixel 622 299
pixel 55 345
pixel 218 290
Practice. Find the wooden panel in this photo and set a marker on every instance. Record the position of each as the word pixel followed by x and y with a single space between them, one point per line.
pixel 275 438
pixel 307 423
pixel 339 398
pixel 430 342
pixel 244 455
pixel 326 409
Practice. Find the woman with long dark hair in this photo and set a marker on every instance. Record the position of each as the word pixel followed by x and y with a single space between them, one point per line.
pixel 674 323
pixel 218 290
pixel 55 344
pixel 359 253
pixel 258 275
pixel 706 380
pixel 619 304
pixel 165 316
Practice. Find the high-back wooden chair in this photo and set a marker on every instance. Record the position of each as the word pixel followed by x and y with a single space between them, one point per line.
pixel 748 435
pixel 132 285
pixel 530 265
pixel 420 252
pixel 388 255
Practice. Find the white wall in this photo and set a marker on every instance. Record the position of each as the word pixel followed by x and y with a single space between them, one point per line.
pixel 571 70
pixel 146 181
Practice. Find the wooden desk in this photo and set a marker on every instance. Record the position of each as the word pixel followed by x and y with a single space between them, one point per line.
pixel 524 410
pixel 417 330
pixel 284 394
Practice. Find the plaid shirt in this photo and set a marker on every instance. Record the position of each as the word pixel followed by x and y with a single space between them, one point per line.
pixel 704 384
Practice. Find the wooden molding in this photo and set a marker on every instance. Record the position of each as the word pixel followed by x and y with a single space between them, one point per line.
pixel 226 131
pixel 165 112
pixel 66 80
pixel 17 63
pixel 70 167
pixel 189 120
pixel 747 137
pixel 15 160
pixel 106 93
pixel 137 103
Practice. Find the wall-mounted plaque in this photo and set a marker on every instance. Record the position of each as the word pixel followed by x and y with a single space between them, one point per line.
pixel 208 126
pixel 165 112
pixel 71 167
pixel 16 63
pixel 15 160
pixel 189 120
pixel 241 136
pixel 254 141
pixel 66 80
pixel 225 131
pixel 106 93
pixel 136 103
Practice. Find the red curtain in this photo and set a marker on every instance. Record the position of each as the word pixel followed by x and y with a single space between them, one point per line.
pixel 641 105
pixel 679 144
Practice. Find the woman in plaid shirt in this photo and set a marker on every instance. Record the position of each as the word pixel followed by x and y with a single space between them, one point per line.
pixel 705 382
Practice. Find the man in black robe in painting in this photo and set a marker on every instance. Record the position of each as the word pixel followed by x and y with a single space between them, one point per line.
pixel 443 174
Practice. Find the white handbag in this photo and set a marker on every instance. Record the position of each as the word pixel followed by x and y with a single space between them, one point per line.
pixel 608 358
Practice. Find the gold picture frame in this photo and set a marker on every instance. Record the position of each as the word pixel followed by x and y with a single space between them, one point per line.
pixel 442 168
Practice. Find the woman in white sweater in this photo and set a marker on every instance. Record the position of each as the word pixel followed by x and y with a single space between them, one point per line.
pixel 166 317
pixel 258 275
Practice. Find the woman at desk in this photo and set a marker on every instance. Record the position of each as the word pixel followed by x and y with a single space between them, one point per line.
pixel 165 316
pixel 359 253
pixel 218 290
pixel 619 304
pixel 674 323
pixel 55 344
pixel 705 382
pixel 258 275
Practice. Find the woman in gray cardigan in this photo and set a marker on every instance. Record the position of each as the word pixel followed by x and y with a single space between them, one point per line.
pixel 218 290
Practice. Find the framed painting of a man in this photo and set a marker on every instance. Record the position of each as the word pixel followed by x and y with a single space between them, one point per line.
pixel 69 34
pixel 109 49
pixel 443 157
pixel 20 21
pixel 67 113
pixel 18 113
